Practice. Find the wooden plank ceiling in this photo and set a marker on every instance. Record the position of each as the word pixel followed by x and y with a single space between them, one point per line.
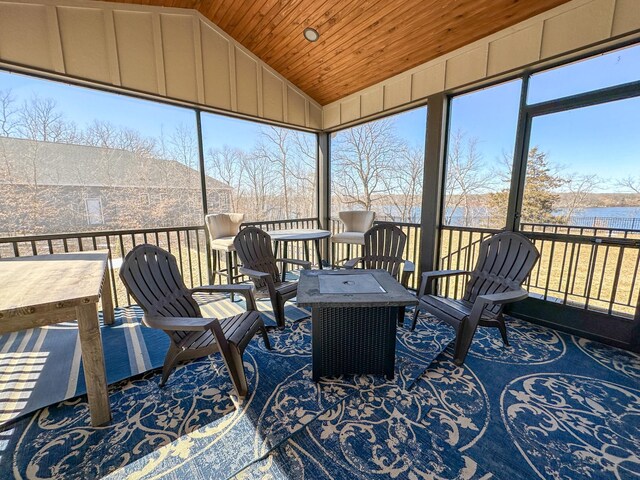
pixel 362 42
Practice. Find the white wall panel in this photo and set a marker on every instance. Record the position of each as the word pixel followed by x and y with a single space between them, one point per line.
pixel 272 95
pixel 296 107
pixel 581 26
pixel 25 34
pixel 179 56
pixel 466 67
pixel 428 81
pixel 371 101
pixel 216 66
pixel 626 17
pixel 514 50
pixel 138 69
pixel 397 92
pixel 175 53
pixel 246 82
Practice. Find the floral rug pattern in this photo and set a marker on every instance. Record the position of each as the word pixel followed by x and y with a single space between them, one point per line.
pixel 548 406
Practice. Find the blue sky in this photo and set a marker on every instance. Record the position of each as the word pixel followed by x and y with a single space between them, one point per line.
pixel 600 140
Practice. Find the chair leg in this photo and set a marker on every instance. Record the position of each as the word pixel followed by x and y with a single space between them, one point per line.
pixel 229 266
pixel 401 313
pixel 333 256
pixel 277 304
pixel 235 367
pixel 414 319
pixel 214 266
pixel 265 337
pixel 464 336
pixel 169 363
pixel 503 329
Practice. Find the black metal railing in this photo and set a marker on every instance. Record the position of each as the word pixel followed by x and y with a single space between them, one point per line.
pixel 188 244
pixel 593 269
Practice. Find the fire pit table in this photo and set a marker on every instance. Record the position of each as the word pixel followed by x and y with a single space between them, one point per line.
pixel 354 317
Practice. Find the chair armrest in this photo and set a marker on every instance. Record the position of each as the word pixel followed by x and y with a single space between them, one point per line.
pixel 505 297
pixel 254 273
pixel 442 273
pixel 483 301
pixel 222 289
pixel 427 277
pixel 303 263
pixel 245 290
pixel 264 276
pixel 409 267
pixel 351 264
pixel 187 324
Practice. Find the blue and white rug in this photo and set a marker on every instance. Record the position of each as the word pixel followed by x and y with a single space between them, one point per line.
pixel 41 366
pixel 551 406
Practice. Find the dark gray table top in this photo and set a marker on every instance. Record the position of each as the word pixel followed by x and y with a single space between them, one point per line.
pixel 309 294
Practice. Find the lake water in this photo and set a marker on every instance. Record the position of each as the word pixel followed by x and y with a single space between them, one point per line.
pixel 611 217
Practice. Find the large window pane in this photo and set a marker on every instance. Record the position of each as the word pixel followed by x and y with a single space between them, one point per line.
pixel 74 159
pixel 272 171
pixel 582 167
pixel 480 146
pixel 607 70
pixel 379 166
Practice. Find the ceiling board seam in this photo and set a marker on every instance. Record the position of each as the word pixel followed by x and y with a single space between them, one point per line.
pixel 112 48
pixel 55 40
pixel 233 77
pixel 198 62
pixel 285 102
pixel 159 54
pixel 259 90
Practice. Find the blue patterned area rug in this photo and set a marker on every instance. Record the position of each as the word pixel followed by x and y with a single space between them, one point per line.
pixel 551 406
pixel 42 366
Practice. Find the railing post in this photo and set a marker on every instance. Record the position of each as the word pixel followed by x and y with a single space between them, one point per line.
pixel 432 188
pixel 203 186
pixel 324 189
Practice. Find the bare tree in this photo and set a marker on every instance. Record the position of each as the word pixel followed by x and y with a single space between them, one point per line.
pixel 363 157
pixel 228 165
pixel 578 188
pixel 8 114
pixel 630 183
pixel 39 119
pixel 259 177
pixel 466 176
pixel 405 184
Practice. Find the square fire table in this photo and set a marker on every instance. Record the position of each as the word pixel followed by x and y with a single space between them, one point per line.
pixel 354 315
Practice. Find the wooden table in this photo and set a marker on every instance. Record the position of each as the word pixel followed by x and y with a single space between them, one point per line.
pixel 354 316
pixel 298 235
pixel 47 289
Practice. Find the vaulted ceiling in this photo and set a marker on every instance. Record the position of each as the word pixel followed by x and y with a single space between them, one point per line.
pixel 362 42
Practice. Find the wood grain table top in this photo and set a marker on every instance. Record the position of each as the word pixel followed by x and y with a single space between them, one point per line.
pixel 61 280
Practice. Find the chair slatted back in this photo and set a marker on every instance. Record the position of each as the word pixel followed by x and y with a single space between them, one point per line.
pixel 504 262
pixel 152 278
pixel 383 248
pixel 255 251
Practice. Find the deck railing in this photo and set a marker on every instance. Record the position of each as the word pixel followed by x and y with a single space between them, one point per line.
pixel 188 244
pixel 590 268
